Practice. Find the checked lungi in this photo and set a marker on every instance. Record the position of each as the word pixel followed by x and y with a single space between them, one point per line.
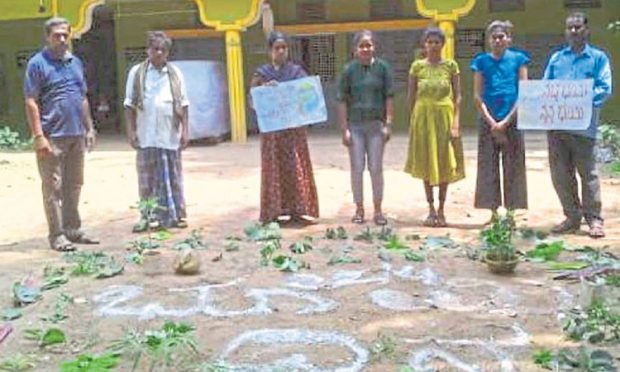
pixel 160 176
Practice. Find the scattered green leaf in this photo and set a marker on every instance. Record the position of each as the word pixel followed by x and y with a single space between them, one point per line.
pixel 543 358
pixel 267 251
pixel 24 294
pixel 412 256
pixel 545 251
pixel 90 363
pixel 11 313
pixel 343 259
pixel 302 246
pixel 336 234
pixel 258 232
pixel 17 363
pixel 287 263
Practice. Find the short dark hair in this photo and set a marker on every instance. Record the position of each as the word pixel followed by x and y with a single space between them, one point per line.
pixel 434 32
pixel 362 34
pixel 581 15
pixel 275 36
pixel 53 22
pixel 153 36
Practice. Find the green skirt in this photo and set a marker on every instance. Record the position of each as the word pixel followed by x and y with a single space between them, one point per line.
pixel 433 155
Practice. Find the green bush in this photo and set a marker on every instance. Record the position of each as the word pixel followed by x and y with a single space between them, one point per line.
pixel 10 140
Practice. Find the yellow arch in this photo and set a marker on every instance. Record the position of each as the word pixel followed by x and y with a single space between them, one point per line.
pixel 85 17
pixel 452 16
pixel 239 24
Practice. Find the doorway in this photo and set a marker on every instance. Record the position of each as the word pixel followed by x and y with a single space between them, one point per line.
pixel 97 50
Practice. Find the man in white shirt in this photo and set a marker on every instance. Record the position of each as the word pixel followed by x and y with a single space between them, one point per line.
pixel 156 111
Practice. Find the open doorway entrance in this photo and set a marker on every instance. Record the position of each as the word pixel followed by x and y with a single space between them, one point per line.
pixel 97 49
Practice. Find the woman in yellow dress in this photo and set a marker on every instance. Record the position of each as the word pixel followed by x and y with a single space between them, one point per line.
pixel 435 151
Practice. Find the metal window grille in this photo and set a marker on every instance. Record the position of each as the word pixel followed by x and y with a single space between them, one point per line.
pixel 386 9
pixel 398 49
pixel 134 55
pixel 572 4
pixel 311 11
pixel 469 42
pixel 506 5
pixel 540 47
pixel 317 53
pixel 23 56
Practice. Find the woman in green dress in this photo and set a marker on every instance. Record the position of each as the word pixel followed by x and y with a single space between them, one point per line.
pixel 435 151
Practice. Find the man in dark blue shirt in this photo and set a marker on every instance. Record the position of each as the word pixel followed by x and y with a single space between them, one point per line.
pixel 59 117
pixel 573 151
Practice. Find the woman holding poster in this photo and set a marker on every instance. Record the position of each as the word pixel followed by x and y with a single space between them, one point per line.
pixel 288 191
pixel 496 83
pixel 435 151
pixel 365 113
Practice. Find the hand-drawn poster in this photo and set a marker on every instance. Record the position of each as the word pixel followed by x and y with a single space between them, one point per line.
pixel 290 104
pixel 555 104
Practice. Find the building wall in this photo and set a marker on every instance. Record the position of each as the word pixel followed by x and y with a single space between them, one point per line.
pixel 541 22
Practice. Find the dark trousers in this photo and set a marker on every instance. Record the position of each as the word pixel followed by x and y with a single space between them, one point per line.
pixel 62 176
pixel 570 154
pixel 488 182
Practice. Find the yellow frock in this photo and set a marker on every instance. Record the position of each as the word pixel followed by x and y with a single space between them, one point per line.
pixel 433 154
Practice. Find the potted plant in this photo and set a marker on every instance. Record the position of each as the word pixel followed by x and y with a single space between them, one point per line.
pixel 499 252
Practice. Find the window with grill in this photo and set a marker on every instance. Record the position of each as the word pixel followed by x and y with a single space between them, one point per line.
pixel 398 49
pixel 317 53
pixel 506 5
pixel 540 47
pixel 575 4
pixel 311 11
pixel 134 55
pixel 469 42
pixel 386 9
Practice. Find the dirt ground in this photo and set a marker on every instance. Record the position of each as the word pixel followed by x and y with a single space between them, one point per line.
pixel 447 313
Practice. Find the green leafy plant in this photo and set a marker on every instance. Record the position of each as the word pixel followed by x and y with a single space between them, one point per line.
pixel 90 363
pixel 366 236
pixel 149 208
pixel 267 251
pixel 194 241
pixel 613 280
pixel 163 347
pixel 543 358
pixel 61 304
pixel 382 348
pixel 497 238
pixel 545 251
pixel 54 277
pixel 10 140
pixel 287 263
pixel 414 257
pixel 529 233
pixel 98 264
pixel 438 242
pixel 338 233
pixel 343 259
pixel 386 234
pixel 46 337
pixel 585 360
pixel 596 324
pixel 394 243
pixel 231 245
pixel 258 232
pixel 302 246
pixel 17 363
pixel 609 137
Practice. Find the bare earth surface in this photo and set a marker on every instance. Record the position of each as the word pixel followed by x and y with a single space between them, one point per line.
pixel 447 313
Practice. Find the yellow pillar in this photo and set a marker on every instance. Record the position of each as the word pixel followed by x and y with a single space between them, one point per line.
pixel 236 91
pixel 447 26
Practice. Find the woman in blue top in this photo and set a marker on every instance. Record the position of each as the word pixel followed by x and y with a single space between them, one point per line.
pixel 496 84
